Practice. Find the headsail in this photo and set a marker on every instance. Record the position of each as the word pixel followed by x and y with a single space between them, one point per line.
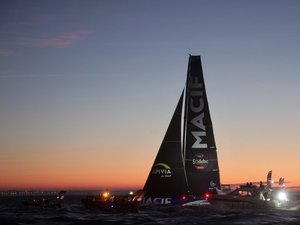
pixel 187 158
pixel 167 176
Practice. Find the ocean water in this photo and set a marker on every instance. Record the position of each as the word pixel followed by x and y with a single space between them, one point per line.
pixel 73 212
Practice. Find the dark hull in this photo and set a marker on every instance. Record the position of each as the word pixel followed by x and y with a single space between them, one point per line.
pixel 229 201
pixel 118 206
pixel 42 204
pixel 160 208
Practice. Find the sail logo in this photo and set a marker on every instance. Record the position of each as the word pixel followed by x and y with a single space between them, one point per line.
pixel 156 201
pixel 197 107
pixel 212 184
pixel 200 162
pixel 162 170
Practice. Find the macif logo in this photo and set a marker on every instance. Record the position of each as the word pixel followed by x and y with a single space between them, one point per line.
pixel 162 169
pixel 197 106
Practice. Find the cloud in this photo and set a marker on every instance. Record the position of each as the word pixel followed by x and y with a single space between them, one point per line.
pixel 4 52
pixel 64 40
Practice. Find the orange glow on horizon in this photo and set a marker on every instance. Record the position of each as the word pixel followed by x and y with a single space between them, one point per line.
pixel 80 166
pixel 123 179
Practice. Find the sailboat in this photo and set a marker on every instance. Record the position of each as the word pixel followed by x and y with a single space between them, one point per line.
pixel 186 165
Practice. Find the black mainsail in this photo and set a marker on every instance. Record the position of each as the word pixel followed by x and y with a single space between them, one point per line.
pixel 200 152
pixel 187 159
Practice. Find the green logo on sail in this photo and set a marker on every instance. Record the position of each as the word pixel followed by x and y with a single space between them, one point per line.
pixel 162 170
pixel 212 184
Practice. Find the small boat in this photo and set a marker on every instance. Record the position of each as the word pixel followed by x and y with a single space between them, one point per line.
pixel 110 203
pixel 253 196
pixel 46 203
pixel 42 203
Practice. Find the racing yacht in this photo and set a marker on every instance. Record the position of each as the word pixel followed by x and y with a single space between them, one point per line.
pixel 186 166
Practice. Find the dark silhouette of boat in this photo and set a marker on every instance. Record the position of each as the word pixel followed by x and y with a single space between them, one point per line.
pixel 186 166
pixel 42 203
pixel 46 203
pixel 253 196
pixel 110 203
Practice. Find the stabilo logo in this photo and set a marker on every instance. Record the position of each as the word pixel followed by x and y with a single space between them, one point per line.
pixel 162 170
pixel 200 162
pixel 197 106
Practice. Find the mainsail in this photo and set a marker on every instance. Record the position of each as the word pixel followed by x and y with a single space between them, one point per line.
pixel 200 153
pixel 186 162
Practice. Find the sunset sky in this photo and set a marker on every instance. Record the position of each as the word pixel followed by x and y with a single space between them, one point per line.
pixel 88 88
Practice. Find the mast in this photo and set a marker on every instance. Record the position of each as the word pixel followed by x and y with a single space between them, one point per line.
pixel 184 118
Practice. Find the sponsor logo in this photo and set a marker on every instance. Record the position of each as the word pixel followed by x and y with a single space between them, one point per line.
pixel 200 162
pixel 156 201
pixel 197 107
pixel 212 184
pixel 162 170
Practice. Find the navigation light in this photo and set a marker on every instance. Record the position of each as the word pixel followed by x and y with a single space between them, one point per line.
pixel 206 195
pixel 105 195
pixel 282 196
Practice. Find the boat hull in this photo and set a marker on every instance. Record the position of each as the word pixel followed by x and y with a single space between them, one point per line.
pixel 116 205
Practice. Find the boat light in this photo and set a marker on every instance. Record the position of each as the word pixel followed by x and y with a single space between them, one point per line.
pixel 131 193
pixel 282 196
pixel 183 197
pixel 105 194
pixel 206 195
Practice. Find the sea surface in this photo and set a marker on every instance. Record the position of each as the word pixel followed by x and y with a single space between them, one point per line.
pixel 73 212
